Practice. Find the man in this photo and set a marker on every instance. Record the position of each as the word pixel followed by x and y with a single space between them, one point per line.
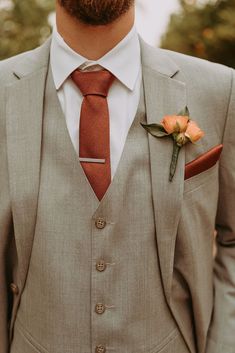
pixel 100 251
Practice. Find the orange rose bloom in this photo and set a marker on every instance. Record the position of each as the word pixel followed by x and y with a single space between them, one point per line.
pixel 175 123
pixel 193 132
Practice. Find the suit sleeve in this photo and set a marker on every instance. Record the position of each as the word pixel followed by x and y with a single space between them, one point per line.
pixel 5 238
pixel 221 337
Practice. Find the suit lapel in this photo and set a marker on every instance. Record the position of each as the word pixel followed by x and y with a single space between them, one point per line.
pixel 24 133
pixel 164 95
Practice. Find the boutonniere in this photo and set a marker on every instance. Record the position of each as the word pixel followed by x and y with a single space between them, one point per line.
pixel 181 129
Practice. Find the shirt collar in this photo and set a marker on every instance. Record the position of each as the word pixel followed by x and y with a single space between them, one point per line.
pixel 123 61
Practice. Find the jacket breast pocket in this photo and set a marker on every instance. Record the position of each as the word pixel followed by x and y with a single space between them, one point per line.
pixel 209 177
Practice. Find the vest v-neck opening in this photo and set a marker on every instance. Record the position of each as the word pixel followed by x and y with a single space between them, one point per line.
pixel 138 118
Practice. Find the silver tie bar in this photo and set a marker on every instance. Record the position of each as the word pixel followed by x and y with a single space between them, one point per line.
pixel 92 160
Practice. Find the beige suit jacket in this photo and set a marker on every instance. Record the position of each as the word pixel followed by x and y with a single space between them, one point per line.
pixel 186 211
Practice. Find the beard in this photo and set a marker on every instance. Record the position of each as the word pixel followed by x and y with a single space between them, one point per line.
pixel 96 12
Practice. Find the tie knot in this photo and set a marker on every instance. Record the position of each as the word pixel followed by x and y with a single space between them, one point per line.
pixel 93 82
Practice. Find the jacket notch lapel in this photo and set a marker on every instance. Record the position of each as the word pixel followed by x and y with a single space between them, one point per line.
pixel 165 96
pixel 24 133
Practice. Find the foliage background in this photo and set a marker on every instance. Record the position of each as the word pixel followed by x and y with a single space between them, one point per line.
pixel 204 29
pixel 207 31
pixel 23 25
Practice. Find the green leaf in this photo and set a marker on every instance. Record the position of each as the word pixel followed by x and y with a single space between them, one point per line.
pixel 155 125
pixel 184 112
pixel 156 130
pixel 159 134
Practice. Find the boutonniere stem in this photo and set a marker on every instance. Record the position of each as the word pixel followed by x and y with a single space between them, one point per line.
pixel 175 156
pixel 181 129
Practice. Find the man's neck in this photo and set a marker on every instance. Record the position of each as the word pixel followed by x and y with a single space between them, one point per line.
pixel 92 42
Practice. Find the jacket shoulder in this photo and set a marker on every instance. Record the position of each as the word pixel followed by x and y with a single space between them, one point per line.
pixel 24 64
pixel 7 67
pixel 206 80
pixel 201 70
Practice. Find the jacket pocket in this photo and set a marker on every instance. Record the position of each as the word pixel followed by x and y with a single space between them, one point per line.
pixel 23 342
pixel 174 344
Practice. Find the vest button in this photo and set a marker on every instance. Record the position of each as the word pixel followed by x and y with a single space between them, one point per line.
pixel 100 349
pixel 100 223
pixel 101 266
pixel 14 288
pixel 99 308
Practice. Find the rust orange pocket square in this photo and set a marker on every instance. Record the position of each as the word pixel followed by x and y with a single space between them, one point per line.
pixel 203 162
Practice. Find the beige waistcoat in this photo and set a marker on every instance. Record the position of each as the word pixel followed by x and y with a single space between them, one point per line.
pixel 58 312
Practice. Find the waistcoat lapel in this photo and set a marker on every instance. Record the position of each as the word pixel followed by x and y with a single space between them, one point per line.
pixel 24 132
pixel 164 95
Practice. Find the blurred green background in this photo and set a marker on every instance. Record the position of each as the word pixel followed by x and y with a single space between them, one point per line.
pixel 205 30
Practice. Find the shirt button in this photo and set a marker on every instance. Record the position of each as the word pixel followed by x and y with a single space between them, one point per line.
pixel 100 349
pixel 100 223
pixel 99 308
pixel 14 288
pixel 101 266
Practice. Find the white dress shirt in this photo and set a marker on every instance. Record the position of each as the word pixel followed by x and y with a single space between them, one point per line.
pixel 124 62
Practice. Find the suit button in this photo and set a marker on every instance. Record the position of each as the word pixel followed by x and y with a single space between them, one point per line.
pixel 14 288
pixel 100 223
pixel 101 266
pixel 100 349
pixel 99 308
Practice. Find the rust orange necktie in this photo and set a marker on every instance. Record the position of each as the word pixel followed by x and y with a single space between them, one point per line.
pixel 94 133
